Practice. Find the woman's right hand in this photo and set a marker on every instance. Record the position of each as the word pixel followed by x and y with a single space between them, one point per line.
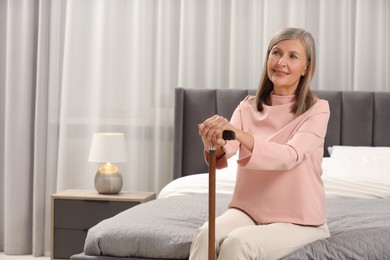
pixel 211 131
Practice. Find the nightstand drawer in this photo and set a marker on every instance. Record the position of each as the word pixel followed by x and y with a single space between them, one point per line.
pixel 83 214
pixel 66 240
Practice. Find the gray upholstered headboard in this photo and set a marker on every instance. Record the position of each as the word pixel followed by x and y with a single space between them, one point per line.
pixel 357 118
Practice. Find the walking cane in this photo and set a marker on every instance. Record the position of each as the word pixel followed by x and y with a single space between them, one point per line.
pixel 227 135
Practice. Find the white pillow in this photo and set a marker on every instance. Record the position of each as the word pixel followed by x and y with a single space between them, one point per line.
pixel 357 171
pixel 341 151
pixel 356 178
pixel 364 168
pixel 359 163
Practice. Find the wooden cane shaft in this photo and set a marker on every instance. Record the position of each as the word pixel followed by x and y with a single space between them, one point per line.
pixel 212 167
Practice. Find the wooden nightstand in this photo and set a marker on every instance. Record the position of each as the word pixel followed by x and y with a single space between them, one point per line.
pixel 73 212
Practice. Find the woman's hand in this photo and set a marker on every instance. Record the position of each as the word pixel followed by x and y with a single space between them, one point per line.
pixel 211 131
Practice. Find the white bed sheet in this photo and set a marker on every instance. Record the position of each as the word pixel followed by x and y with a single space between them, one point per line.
pixel 342 186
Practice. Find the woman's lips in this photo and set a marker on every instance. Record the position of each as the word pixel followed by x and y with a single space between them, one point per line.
pixel 280 73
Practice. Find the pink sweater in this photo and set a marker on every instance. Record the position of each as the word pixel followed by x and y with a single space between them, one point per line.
pixel 280 180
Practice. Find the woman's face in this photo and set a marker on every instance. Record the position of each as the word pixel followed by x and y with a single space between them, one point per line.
pixel 287 62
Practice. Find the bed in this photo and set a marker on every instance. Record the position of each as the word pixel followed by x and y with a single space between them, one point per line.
pixel 356 174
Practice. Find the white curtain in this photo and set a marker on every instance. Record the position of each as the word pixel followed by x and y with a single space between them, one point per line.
pixel 23 123
pixel 69 68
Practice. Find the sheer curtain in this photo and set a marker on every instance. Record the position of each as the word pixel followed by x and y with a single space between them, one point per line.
pixel 69 68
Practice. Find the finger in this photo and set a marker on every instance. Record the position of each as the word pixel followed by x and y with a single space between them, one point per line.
pixel 206 135
pixel 211 129
pixel 207 125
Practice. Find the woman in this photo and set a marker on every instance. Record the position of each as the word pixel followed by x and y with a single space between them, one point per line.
pixel 278 204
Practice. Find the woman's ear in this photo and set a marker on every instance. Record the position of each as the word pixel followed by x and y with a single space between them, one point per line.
pixel 304 72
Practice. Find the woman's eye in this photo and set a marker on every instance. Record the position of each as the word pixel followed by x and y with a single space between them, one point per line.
pixel 276 53
pixel 293 56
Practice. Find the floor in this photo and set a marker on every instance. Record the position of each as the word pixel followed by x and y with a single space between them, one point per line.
pixel 21 257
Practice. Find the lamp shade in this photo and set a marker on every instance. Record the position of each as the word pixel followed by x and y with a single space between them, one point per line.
pixel 108 147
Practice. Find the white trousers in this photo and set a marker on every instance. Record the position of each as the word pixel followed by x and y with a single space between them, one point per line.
pixel 238 237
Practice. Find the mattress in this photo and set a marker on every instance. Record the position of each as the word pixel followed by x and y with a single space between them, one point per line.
pixel 358 213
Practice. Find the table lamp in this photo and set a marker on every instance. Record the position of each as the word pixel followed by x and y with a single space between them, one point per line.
pixel 108 148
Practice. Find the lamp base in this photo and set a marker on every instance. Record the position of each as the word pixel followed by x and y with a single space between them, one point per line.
pixel 108 183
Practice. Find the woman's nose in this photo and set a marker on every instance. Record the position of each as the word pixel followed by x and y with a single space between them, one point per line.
pixel 281 60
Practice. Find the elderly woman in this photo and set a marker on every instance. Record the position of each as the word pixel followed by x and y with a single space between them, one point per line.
pixel 278 204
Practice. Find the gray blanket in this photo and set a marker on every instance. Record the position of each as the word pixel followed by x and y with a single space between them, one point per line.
pixel 164 228
pixel 360 229
pixel 161 228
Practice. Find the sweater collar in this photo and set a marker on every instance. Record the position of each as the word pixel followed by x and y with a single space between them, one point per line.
pixel 281 100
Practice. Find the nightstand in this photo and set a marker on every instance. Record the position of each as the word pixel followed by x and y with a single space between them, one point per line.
pixel 73 212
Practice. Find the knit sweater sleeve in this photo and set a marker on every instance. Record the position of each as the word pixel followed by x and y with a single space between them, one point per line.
pixel 292 144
